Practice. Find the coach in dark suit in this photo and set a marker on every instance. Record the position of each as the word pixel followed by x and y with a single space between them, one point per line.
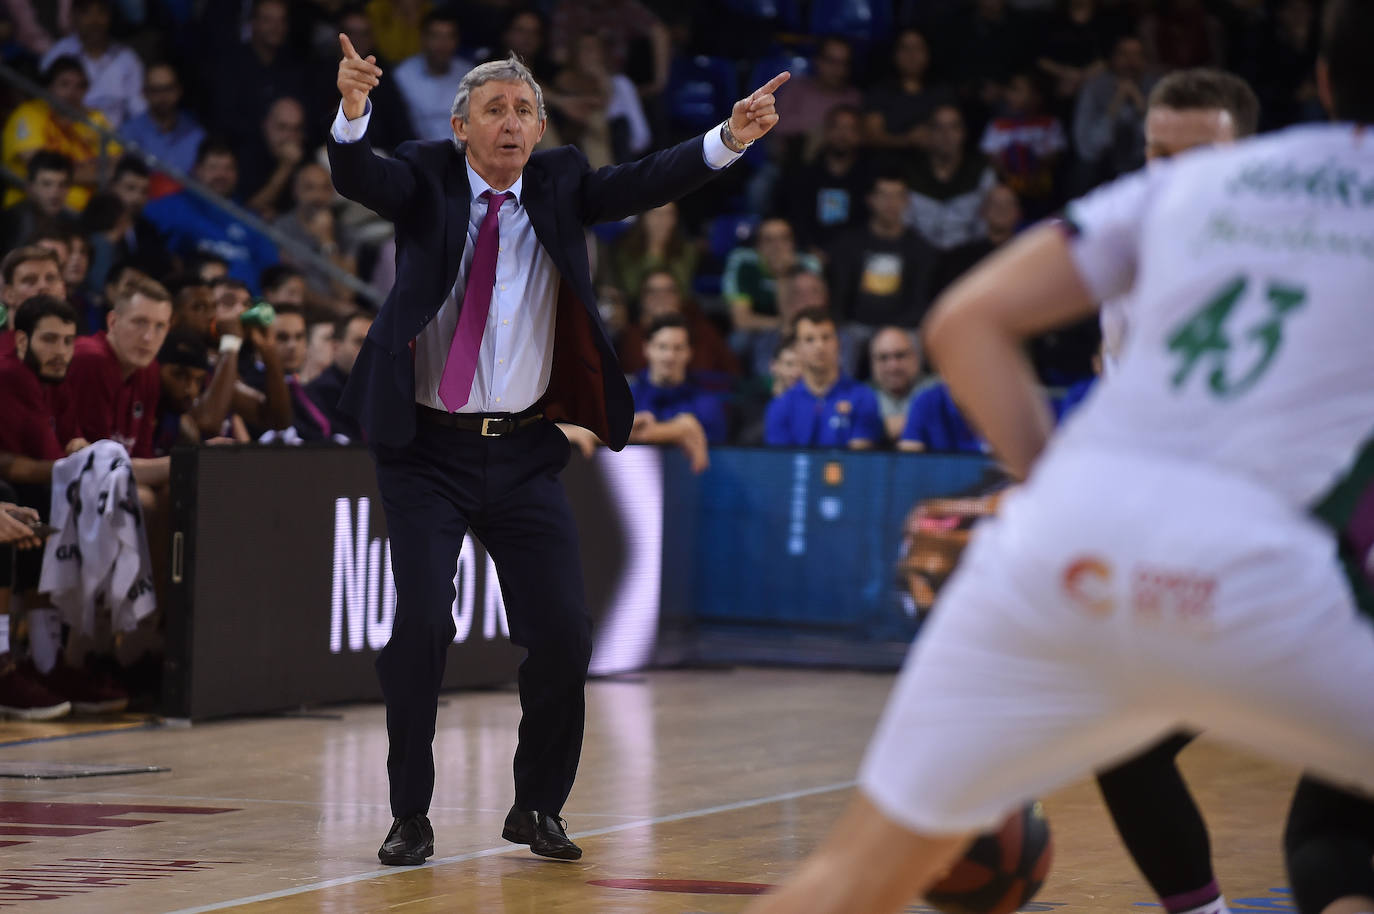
pixel 490 336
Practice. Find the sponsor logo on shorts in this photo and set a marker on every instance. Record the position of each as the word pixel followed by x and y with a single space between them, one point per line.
pixel 1172 594
pixel 1088 582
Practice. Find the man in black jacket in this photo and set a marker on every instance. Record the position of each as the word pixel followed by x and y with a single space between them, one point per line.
pixel 490 336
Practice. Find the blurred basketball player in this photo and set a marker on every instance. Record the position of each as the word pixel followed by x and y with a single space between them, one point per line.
pixel 1149 801
pixel 1172 560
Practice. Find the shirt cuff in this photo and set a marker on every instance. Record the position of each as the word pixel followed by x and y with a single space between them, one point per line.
pixel 346 131
pixel 717 154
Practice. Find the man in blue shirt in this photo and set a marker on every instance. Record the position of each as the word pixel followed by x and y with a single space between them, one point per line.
pixel 193 225
pixel 669 409
pixel 164 130
pixel 663 391
pixel 934 423
pixel 825 408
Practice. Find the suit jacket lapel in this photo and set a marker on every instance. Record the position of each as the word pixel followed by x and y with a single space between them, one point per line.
pixel 540 209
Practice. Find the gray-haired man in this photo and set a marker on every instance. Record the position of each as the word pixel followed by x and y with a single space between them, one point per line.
pixel 489 337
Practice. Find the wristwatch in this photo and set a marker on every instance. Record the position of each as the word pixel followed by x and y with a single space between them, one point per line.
pixel 732 143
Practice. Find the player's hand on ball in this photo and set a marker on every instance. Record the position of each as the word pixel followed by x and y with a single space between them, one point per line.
pixel 757 114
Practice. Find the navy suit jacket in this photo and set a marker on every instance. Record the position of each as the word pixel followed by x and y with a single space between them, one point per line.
pixel 424 191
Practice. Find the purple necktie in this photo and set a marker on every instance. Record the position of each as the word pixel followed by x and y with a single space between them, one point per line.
pixel 455 385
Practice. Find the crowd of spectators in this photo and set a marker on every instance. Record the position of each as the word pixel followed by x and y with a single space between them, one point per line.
pixel 776 307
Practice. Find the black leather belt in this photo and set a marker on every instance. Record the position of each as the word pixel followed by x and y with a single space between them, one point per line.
pixel 488 425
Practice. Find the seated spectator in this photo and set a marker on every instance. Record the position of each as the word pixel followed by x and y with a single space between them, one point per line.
pixel 800 290
pixel 39 421
pixel 27 271
pixel 44 204
pixel 664 390
pixel 241 351
pixel 140 244
pixel 824 197
pixel 803 107
pixel 1024 145
pixel 118 280
pixel 268 161
pixel 895 357
pixel 232 297
pixel 209 266
pixel 248 77
pixel 1001 219
pixel 325 390
pixel 115 382
pixel 183 363
pixel 282 284
pixel 621 24
pixel 880 273
pixel 825 408
pixel 193 225
pixel 286 348
pixel 38 428
pixel 934 423
pixel 896 110
pixel 164 130
pixel 36 125
pixel 598 110
pixel 947 184
pixel 660 296
pixel 1109 117
pixel 524 35
pixel 751 403
pixel 750 281
pixel 654 242
pixel 427 79
pixel 76 267
pixel 314 223
pixel 193 309
pixel 114 70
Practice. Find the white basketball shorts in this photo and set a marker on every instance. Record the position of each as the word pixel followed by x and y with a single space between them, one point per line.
pixel 1115 599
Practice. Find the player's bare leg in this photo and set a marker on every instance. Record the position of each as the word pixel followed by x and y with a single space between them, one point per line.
pixel 867 865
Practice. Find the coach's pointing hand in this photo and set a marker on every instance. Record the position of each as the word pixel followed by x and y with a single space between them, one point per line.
pixel 357 77
pixel 754 116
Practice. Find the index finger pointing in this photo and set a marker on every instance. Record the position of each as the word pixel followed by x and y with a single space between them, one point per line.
pixel 772 84
pixel 347 46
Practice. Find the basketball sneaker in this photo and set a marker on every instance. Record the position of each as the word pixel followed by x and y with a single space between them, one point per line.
pixel 24 697
pixel 89 692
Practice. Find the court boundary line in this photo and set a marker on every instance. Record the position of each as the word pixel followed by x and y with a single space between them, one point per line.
pixel 382 871
pixel 42 787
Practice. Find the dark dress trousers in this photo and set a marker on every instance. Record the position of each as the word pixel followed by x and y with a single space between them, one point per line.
pixel 437 482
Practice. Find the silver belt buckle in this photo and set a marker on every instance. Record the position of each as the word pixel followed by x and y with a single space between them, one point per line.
pixel 486 424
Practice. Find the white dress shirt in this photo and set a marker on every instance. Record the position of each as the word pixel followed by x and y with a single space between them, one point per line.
pixel 516 355
pixel 429 96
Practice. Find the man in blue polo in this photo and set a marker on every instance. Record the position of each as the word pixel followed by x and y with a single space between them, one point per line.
pixel 824 408
pixel 663 391
pixel 935 423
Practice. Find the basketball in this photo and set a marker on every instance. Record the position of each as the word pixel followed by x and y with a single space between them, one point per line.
pixel 1001 870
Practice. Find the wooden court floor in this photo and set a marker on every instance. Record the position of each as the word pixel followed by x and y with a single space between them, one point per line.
pixel 696 788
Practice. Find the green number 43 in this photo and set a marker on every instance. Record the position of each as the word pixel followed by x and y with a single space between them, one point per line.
pixel 1202 338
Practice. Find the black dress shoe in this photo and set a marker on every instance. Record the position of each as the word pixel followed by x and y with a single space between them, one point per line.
pixel 543 833
pixel 408 843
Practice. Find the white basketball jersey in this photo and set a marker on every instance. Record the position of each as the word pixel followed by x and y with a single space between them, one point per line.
pixel 1250 275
